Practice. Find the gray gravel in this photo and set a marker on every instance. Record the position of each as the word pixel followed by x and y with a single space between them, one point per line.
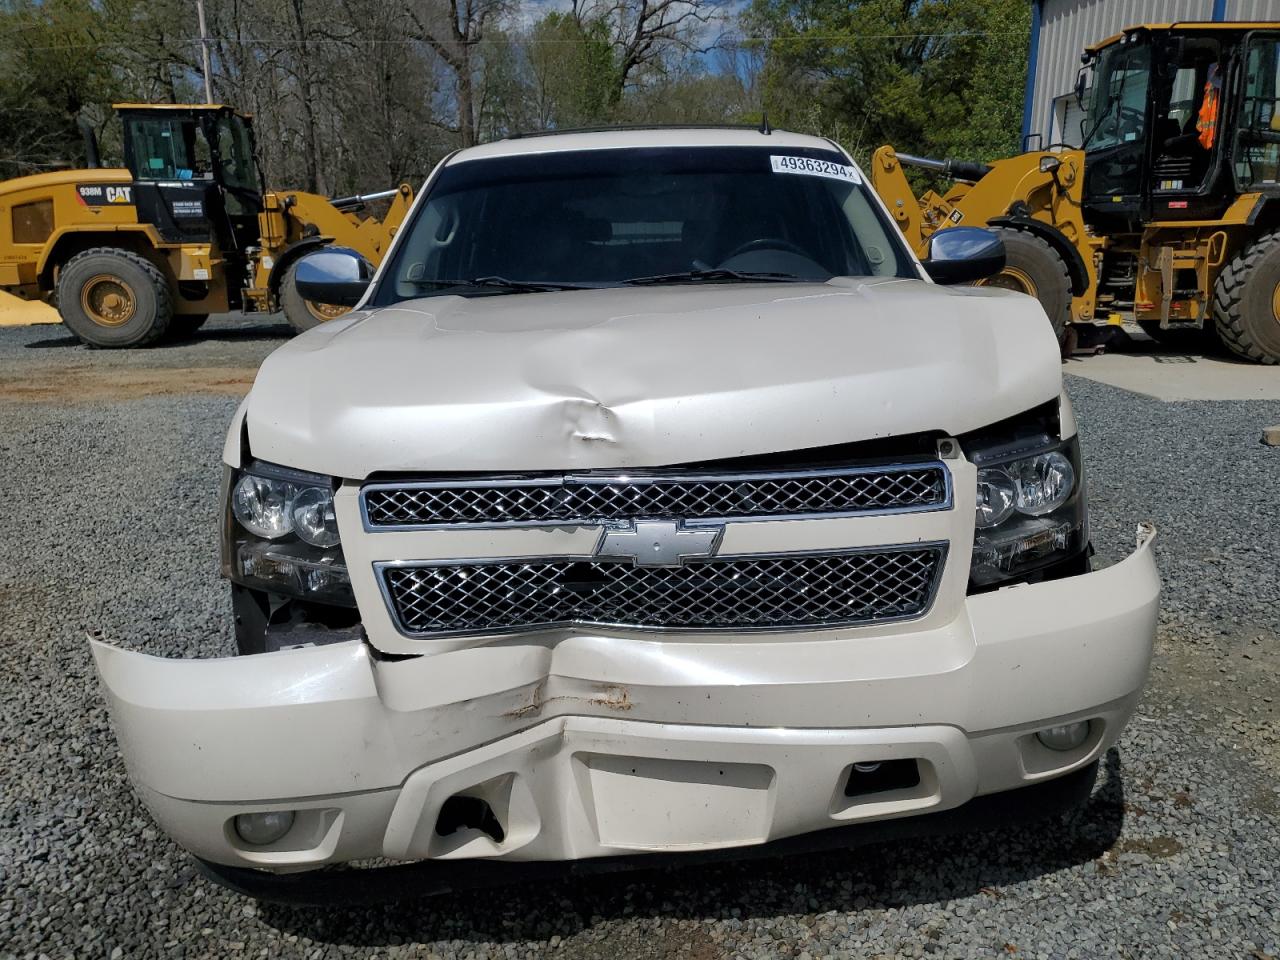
pixel 108 520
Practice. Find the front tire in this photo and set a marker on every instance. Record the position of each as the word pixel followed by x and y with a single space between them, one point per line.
pixel 1033 267
pixel 113 298
pixel 304 314
pixel 1246 301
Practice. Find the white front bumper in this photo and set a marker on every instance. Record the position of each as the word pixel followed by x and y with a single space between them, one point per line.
pixel 590 745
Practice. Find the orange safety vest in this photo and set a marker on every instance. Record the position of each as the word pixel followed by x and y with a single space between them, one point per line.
pixel 1207 121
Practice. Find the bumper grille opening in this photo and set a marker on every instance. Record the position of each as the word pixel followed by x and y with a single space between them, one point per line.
pixel 724 593
pixel 599 498
pixel 881 777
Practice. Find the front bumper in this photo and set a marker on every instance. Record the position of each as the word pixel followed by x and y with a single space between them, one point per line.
pixel 596 746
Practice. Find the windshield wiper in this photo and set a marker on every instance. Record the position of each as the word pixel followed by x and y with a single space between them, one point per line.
pixel 512 286
pixel 718 274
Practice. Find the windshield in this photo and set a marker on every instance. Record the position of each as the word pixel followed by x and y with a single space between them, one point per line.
pixel 168 148
pixel 1118 110
pixel 653 215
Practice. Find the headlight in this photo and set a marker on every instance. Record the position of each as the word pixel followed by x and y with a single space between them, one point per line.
pixel 311 511
pixel 1044 483
pixel 282 535
pixel 1030 508
pixel 997 496
pixel 1032 486
pixel 262 505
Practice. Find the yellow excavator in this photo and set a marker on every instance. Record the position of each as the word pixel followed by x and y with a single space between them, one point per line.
pixel 185 229
pixel 1170 210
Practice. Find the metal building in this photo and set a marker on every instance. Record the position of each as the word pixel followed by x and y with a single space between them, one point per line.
pixel 1061 29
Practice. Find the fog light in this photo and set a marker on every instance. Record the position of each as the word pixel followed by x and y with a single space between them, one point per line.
pixel 260 829
pixel 1067 736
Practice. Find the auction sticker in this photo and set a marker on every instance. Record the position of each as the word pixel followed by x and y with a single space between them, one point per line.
pixel 807 166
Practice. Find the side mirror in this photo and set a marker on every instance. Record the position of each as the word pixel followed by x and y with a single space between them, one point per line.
pixel 964 254
pixel 334 276
pixel 1082 84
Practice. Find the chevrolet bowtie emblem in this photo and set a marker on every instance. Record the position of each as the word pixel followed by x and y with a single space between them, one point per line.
pixel 659 543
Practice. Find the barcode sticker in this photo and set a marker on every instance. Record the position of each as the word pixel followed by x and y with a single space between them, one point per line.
pixel 807 166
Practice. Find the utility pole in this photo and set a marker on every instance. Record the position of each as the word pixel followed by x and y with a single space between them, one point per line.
pixel 204 53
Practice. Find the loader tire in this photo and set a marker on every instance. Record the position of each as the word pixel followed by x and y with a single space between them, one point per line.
pixel 113 298
pixel 1033 267
pixel 1246 301
pixel 303 314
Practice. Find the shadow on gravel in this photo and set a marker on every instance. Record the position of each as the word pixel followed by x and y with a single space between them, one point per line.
pixel 237 334
pixel 229 334
pixel 869 878
pixel 1175 347
pixel 67 341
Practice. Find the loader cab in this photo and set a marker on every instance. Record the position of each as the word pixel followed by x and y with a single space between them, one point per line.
pixel 1173 114
pixel 195 177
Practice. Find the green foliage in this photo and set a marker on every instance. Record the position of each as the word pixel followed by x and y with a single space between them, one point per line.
pixel 346 95
pixel 574 71
pixel 937 77
pixel 64 60
pixel 52 65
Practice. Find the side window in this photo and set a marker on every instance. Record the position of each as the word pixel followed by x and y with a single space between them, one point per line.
pixel 1258 139
pixel 877 246
pixel 433 241
pixel 1186 125
pixel 1182 99
pixel 166 149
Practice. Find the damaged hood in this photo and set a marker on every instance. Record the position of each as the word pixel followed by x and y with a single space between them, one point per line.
pixel 646 376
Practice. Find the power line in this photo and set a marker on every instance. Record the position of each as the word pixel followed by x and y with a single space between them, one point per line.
pixel 519 42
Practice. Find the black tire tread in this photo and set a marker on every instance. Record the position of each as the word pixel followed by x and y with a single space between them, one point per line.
pixel 1228 294
pixel 164 304
pixel 291 302
pixel 1061 321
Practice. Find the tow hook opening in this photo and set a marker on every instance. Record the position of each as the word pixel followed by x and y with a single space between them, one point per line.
pixel 882 776
pixel 461 812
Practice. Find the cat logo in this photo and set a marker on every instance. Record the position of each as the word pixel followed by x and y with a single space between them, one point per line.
pixel 95 195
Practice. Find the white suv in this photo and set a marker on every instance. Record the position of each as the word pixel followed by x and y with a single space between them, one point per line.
pixel 653 498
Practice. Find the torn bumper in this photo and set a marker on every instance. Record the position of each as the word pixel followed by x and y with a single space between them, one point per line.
pixel 596 745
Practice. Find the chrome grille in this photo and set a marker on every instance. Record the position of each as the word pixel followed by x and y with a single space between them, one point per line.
pixel 597 498
pixel 741 592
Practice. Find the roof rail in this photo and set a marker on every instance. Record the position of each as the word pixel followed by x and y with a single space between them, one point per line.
pixel 625 127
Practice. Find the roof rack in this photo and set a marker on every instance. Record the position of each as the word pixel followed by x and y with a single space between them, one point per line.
pixel 625 127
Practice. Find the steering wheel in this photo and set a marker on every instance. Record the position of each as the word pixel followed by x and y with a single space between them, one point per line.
pixel 768 243
pixel 1128 119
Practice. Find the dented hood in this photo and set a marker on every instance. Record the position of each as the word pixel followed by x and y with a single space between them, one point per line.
pixel 646 376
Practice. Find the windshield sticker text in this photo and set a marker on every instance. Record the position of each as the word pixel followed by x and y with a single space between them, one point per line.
pixel 807 166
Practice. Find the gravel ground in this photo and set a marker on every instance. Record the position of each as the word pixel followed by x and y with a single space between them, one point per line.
pixel 109 523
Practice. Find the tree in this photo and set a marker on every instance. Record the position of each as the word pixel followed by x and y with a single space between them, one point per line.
pixel 572 71
pixel 53 64
pixel 933 76
pixel 453 29
pixel 644 33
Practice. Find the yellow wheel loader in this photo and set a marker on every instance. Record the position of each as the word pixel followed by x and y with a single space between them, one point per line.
pixel 1170 210
pixel 183 230
pixel 1033 201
